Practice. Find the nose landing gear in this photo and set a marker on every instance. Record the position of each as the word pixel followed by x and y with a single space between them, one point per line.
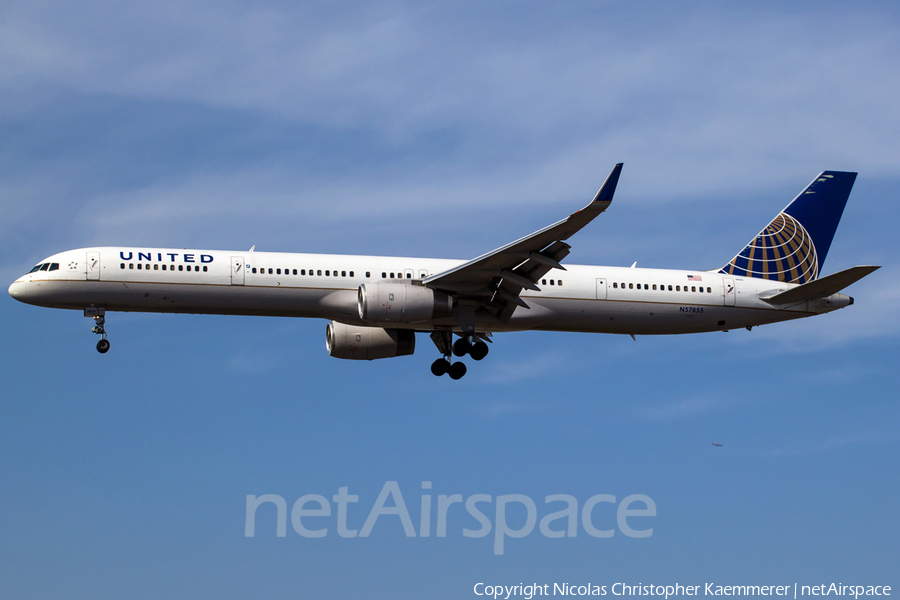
pixel 99 316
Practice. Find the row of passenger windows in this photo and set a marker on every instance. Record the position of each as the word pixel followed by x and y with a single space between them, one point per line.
pixel 45 267
pixel 662 287
pixel 313 272
pixel 142 266
pixel 558 282
pixel 328 273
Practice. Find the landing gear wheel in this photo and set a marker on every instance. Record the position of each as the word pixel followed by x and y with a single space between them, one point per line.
pixel 103 346
pixel 457 370
pixel 440 366
pixel 479 350
pixel 461 347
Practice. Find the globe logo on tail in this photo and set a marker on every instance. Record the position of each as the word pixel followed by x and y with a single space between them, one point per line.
pixel 783 251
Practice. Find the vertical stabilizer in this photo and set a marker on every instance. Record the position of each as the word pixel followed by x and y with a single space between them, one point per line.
pixel 793 246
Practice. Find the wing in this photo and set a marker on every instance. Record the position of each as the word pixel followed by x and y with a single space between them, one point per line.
pixel 497 278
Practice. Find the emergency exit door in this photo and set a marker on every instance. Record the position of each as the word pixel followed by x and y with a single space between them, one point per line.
pixel 92 266
pixel 237 270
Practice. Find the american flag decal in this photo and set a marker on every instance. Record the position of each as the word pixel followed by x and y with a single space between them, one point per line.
pixel 694 278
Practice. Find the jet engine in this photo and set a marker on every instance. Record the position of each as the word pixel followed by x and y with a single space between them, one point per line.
pixel 368 343
pixel 401 303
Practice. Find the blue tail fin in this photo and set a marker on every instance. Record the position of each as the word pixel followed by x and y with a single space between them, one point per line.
pixel 793 246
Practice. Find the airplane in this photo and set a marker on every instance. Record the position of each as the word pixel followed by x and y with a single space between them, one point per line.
pixel 717 445
pixel 375 305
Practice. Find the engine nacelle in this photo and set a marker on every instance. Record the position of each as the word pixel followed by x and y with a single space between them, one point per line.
pixel 401 303
pixel 368 343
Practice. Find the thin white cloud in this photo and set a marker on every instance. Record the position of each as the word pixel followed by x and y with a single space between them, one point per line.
pixel 681 409
pixel 519 369
pixel 827 444
pixel 775 92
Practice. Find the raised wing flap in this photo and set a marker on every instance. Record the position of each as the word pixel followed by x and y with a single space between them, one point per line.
pixel 822 287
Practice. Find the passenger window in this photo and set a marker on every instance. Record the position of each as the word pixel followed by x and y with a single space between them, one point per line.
pixel 343 273
pixel 670 288
pixel 156 267
pixel 551 282
pixel 303 271
pixel 559 282
pixel 335 273
pixel 351 273
pixel 204 268
pixel 543 282
pixel 131 265
pixel 392 276
pixel 278 271
pixel 196 268
pixel 693 288
pixel 654 287
pixel 319 272
pixel 295 271
pixel 368 273
pixel 409 275
pixel 253 270
pixel 630 286
pixel 139 266
pixel 677 288
pixel 615 285
pixel 121 265
pixel 701 289
pixel 709 290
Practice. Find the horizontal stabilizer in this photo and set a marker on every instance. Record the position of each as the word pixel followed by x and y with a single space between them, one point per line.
pixel 822 287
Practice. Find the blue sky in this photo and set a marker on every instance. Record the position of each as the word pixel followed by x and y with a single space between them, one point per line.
pixel 442 129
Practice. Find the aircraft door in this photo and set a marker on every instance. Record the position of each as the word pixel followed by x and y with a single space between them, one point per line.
pixel 92 266
pixel 728 291
pixel 237 270
pixel 601 289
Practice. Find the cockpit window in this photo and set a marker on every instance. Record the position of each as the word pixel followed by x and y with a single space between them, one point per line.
pixel 54 267
pixel 36 268
pixel 45 267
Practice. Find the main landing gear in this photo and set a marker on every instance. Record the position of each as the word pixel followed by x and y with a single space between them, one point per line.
pixel 464 345
pixel 443 365
pixel 99 316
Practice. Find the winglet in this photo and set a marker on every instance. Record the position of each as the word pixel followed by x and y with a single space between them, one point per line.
pixel 606 191
pixel 600 203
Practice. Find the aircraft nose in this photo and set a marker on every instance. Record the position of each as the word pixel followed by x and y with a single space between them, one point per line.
pixel 17 289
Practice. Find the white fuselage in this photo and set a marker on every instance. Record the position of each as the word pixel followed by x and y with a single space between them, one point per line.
pixel 583 298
